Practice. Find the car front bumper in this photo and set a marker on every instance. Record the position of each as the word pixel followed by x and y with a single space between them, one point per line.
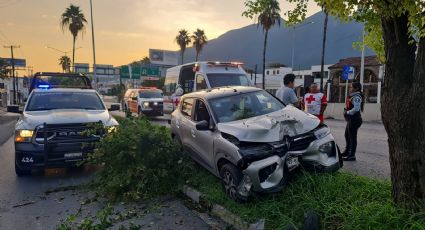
pixel 310 158
pixel 34 156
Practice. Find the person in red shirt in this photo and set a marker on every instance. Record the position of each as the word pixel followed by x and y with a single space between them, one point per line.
pixel 315 102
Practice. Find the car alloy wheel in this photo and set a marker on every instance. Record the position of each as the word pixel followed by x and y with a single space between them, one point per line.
pixel 231 177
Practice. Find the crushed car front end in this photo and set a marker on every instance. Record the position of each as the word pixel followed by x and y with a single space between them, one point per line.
pixel 267 165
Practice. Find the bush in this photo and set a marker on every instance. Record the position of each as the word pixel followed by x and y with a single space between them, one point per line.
pixel 139 160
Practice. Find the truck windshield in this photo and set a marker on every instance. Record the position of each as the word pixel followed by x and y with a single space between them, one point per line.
pixel 40 101
pixel 226 79
pixel 150 94
pixel 243 106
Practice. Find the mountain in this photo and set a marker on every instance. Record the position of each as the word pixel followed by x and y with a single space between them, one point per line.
pixel 246 44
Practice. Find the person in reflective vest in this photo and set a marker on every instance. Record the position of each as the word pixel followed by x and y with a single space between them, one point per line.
pixel 315 102
pixel 352 114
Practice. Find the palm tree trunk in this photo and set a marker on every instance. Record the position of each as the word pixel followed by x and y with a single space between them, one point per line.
pixel 322 71
pixel 264 58
pixel 197 55
pixel 73 54
pixel 182 54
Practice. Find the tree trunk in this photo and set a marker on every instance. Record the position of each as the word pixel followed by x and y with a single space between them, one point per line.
pixel 264 58
pixel 182 56
pixel 73 53
pixel 197 55
pixel 322 63
pixel 403 111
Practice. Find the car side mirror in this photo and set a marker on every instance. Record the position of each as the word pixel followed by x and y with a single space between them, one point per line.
pixel 134 98
pixel 14 109
pixel 203 125
pixel 114 107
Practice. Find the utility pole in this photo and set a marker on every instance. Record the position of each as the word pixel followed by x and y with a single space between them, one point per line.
pixel 11 47
pixel 94 49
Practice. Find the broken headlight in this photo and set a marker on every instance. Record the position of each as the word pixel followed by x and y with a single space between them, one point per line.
pixel 321 133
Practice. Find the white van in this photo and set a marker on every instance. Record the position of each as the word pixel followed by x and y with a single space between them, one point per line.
pixel 196 76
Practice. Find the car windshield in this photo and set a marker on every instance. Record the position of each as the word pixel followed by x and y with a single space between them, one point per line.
pixel 150 94
pixel 243 106
pixel 226 79
pixel 64 100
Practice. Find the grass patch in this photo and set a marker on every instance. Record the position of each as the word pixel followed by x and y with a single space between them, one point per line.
pixel 343 201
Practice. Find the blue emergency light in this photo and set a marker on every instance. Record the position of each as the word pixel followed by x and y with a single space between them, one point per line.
pixel 43 86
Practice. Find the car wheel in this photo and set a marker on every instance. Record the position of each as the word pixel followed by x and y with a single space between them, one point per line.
pixel 231 177
pixel 20 172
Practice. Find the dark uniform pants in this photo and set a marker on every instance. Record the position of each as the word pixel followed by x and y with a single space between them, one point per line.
pixel 353 125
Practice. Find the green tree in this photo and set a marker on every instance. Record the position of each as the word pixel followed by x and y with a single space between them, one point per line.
pixel 396 30
pixel 65 63
pixel 199 40
pixel 74 19
pixel 183 39
pixel 267 13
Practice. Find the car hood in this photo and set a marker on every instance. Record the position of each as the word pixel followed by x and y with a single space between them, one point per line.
pixel 32 119
pixel 271 127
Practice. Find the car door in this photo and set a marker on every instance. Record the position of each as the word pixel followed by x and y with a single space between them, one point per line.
pixel 184 122
pixel 202 140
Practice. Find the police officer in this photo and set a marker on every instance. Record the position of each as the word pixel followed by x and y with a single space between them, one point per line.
pixel 354 105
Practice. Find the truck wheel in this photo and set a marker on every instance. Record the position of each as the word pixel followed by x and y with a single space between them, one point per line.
pixel 19 172
pixel 231 177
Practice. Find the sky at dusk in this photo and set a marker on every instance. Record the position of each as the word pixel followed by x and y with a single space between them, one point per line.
pixel 124 29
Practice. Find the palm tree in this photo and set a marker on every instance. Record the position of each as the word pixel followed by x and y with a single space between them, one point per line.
pixel 183 39
pixel 145 61
pixel 65 63
pixel 267 12
pixel 199 40
pixel 74 19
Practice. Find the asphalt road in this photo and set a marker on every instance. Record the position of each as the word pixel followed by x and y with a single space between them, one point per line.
pixel 44 199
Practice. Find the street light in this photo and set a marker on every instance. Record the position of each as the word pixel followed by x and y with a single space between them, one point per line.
pixel 293 39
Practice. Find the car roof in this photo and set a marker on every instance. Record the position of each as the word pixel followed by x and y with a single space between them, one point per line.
pixel 63 90
pixel 221 92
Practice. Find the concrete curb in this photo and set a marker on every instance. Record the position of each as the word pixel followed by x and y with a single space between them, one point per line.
pixel 219 211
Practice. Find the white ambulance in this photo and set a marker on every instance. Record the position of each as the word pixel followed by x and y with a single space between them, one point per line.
pixel 191 77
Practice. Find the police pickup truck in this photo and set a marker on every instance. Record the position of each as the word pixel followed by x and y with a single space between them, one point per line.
pixel 51 130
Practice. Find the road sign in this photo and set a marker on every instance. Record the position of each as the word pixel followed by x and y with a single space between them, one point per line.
pixel 18 62
pixel 348 73
pixel 137 72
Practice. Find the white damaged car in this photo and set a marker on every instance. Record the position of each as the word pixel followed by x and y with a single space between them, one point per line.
pixel 250 139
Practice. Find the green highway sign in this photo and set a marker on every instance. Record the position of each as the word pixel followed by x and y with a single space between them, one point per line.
pixel 137 72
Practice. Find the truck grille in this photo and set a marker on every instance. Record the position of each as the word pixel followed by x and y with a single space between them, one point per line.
pixel 63 133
